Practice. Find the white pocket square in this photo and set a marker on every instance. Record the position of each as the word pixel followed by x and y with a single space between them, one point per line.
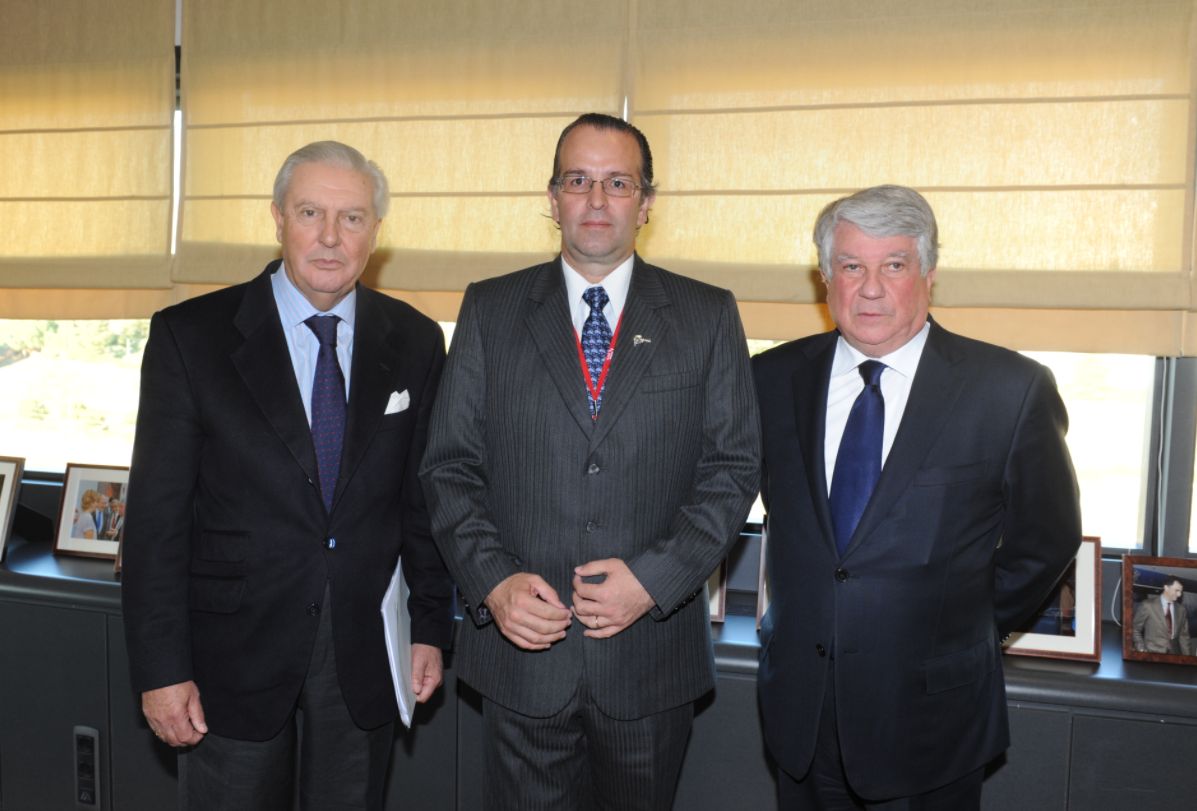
pixel 399 401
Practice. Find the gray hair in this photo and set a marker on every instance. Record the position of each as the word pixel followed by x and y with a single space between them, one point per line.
pixel 882 211
pixel 334 153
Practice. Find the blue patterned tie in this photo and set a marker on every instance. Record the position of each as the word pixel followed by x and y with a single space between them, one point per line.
pixel 596 340
pixel 858 463
pixel 328 405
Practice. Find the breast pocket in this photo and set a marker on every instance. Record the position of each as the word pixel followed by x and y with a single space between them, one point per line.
pixel 390 422
pixel 933 476
pixel 671 382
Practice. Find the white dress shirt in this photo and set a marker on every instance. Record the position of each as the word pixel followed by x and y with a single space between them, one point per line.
pixel 846 384
pixel 616 284
pixel 304 346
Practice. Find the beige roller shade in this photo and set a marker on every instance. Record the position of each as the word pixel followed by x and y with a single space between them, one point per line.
pixel 460 103
pixel 1055 142
pixel 86 99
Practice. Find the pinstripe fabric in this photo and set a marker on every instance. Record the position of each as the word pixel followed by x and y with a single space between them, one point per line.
pixel 582 759
pixel 303 345
pixel 675 450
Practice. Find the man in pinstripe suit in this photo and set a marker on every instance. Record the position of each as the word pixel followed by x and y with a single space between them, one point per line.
pixel 592 456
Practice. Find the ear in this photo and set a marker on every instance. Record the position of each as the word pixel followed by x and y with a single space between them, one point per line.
pixel 930 277
pixel 278 222
pixel 553 205
pixel 374 236
pixel 645 204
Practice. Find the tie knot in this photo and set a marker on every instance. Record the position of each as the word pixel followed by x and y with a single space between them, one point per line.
pixel 871 371
pixel 325 327
pixel 596 297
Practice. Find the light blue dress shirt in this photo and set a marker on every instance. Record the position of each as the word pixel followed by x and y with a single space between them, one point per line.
pixel 293 310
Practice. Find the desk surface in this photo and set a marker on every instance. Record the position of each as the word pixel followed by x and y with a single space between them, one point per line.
pixel 32 574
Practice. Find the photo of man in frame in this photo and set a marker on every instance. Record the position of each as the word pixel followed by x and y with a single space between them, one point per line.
pixel 1164 609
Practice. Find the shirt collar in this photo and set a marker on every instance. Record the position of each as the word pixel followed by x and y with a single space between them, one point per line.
pixel 300 309
pixel 616 284
pixel 904 360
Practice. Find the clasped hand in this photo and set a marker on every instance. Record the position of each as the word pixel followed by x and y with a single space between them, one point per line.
pixel 531 615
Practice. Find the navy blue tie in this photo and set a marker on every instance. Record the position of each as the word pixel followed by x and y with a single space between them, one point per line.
pixel 858 463
pixel 596 340
pixel 328 405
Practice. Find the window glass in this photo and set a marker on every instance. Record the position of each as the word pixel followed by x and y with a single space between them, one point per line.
pixel 68 390
pixel 1109 419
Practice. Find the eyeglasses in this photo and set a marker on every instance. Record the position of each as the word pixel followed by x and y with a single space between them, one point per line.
pixel 612 186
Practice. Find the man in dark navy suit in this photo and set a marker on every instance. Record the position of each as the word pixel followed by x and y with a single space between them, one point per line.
pixel 274 487
pixel 921 503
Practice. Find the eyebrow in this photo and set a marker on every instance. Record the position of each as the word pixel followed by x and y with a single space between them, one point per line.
pixel 584 173
pixel 841 257
pixel 309 204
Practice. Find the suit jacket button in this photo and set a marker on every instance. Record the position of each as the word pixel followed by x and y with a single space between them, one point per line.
pixel 592 469
pixel 591 526
pixel 330 543
pixel 822 650
pixel 841 575
pixel 314 609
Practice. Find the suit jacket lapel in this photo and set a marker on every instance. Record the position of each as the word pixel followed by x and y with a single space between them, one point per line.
pixel 631 361
pixel 264 363
pixel 933 394
pixel 375 366
pixel 552 330
pixel 810 381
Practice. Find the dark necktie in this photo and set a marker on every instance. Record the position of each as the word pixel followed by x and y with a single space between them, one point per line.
pixel 328 405
pixel 1168 618
pixel 858 463
pixel 596 340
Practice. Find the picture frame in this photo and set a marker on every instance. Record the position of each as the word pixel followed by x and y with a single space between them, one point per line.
pixel 11 468
pixel 1146 583
pixel 1068 624
pixel 717 592
pixel 762 580
pixel 86 527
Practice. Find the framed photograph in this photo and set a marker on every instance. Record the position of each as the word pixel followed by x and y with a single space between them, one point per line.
pixel 91 519
pixel 717 592
pixel 11 468
pixel 1159 609
pixel 1068 624
pixel 762 580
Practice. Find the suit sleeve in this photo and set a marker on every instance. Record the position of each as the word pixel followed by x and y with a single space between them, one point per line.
pixel 726 479
pixel 1139 623
pixel 431 602
pixel 1042 528
pixel 454 470
pixel 1182 633
pixel 157 540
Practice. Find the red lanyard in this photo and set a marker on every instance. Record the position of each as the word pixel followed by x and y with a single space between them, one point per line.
pixel 596 390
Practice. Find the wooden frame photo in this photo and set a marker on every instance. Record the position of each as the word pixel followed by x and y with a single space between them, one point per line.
pixel 1068 624
pixel 11 468
pixel 1150 632
pixel 717 592
pixel 91 517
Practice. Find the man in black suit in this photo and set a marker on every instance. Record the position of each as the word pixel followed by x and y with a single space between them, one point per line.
pixel 921 503
pixel 274 483
pixel 593 454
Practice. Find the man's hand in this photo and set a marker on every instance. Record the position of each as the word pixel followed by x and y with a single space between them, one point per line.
pixel 611 606
pixel 427 671
pixel 175 713
pixel 528 611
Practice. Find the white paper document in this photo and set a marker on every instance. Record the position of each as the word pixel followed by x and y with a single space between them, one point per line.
pixel 396 623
